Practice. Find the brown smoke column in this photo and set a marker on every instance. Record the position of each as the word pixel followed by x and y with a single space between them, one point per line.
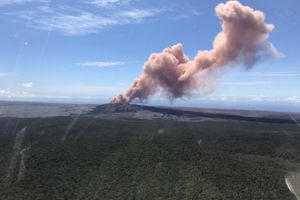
pixel 242 41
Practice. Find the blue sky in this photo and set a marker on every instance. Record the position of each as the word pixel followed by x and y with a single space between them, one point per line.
pixel 91 50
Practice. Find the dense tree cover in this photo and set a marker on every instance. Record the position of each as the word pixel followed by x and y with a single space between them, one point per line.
pixel 147 159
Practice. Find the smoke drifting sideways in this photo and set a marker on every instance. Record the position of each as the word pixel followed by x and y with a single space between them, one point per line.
pixel 243 41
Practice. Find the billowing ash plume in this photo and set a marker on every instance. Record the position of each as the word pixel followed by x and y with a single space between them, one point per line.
pixel 242 41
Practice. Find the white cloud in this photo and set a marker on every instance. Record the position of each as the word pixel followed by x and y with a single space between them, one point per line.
pixel 139 14
pixel 101 64
pixel 108 3
pixel 27 84
pixel 293 99
pixel 5 94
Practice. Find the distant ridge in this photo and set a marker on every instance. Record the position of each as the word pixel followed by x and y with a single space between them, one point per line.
pixel 115 111
pixel 117 108
pixel 181 112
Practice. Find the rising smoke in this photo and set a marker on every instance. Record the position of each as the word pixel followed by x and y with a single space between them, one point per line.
pixel 242 41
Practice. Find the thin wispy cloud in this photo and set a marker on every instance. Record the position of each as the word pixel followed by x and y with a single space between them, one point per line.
pixel 187 15
pixel 73 21
pixel 275 74
pixel 253 98
pixel 6 74
pixel 100 64
pixel 73 92
pixel 80 24
pixel 253 83
pixel 7 94
pixel 250 83
pixel 13 2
